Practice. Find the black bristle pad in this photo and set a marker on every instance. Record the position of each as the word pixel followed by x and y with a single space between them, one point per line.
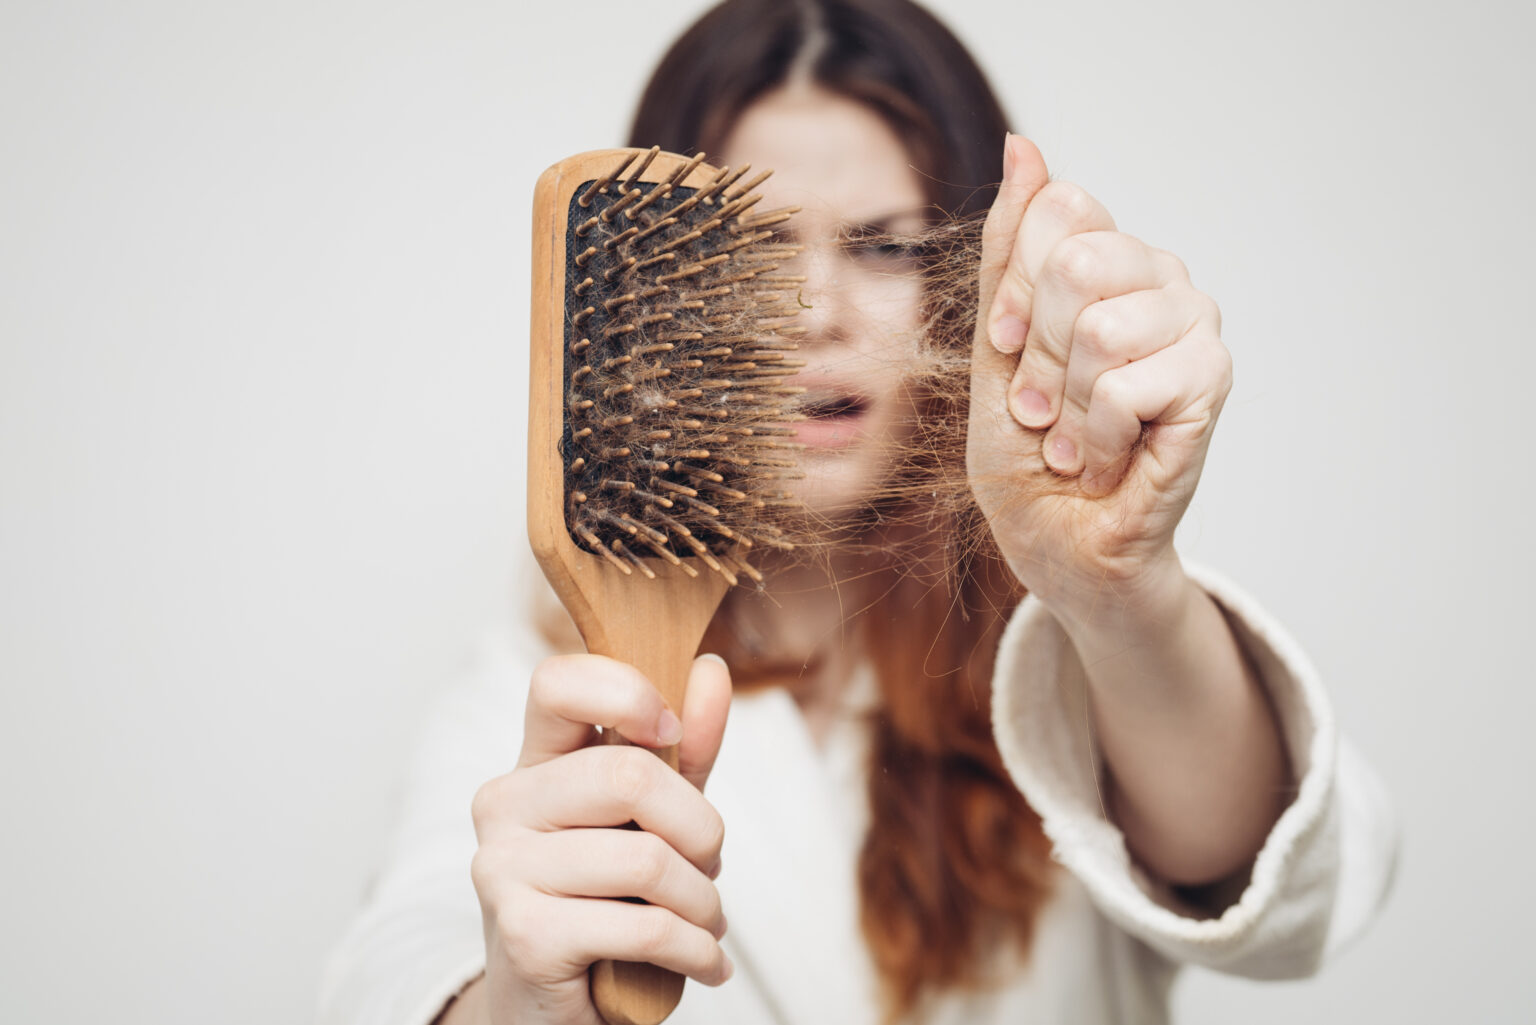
pixel 676 444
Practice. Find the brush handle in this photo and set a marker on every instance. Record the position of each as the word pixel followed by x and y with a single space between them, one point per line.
pixel 634 993
pixel 629 992
pixel 656 626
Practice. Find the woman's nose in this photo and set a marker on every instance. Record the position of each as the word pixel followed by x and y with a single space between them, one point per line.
pixel 823 308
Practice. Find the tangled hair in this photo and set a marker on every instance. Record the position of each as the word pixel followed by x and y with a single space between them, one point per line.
pixel 955 867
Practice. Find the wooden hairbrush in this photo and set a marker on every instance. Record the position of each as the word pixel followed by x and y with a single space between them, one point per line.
pixel 659 436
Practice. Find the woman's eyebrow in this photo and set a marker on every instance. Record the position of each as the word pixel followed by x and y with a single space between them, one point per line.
pixel 900 222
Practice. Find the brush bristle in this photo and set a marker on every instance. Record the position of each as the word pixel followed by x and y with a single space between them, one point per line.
pixel 678 438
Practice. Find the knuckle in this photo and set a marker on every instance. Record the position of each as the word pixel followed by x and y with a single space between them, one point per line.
pixel 521 930
pixel 655 933
pixel 1204 308
pixel 1110 391
pixel 1212 311
pixel 641 700
pixel 714 909
pixel 1224 370
pixel 1182 293
pixel 632 775
pixel 1171 264
pixel 1099 329
pixel 1074 262
pixel 543 683
pixel 713 834
pixel 626 693
pixel 649 868
pixel 486 805
pixel 523 941
pixel 1069 201
pixel 482 874
pixel 498 873
pixel 1014 290
pixel 1015 278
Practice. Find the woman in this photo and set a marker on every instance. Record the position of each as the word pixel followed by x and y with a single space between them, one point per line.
pixel 893 827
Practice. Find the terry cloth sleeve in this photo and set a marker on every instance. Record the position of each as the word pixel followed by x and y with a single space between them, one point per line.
pixel 418 941
pixel 1321 873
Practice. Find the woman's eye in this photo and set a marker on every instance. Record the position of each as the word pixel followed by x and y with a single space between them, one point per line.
pixel 883 251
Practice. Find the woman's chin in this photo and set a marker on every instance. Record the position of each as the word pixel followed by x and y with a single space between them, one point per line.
pixel 838 483
pixel 847 455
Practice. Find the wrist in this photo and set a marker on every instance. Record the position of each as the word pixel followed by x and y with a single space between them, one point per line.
pixel 1115 613
pixel 467 1007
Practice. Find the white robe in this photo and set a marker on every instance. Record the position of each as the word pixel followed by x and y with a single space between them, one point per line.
pixel 1107 945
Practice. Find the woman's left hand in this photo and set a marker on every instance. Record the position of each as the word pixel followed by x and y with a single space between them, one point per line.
pixel 1097 377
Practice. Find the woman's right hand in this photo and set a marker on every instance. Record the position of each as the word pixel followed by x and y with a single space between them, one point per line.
pixel 550 859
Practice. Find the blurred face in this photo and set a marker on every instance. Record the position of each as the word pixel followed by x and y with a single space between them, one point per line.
pixel 843 165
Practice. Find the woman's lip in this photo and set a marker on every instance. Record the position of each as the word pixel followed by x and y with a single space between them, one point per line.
pixel 833 431
pixel 830 432
pixel 835 411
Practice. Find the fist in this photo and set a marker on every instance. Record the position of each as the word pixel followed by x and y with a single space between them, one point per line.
pixel 1098 374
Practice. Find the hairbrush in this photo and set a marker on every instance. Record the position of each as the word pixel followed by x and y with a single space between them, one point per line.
pixel 660 422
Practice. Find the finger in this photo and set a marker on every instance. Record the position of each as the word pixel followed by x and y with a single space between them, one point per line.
pixel 643 932
pixel 1080 271
pixel 1058 210
pixel 612 786
pixel 1111 334
pixel 624 863
pixel 561 937
pixel 1024 175
pixel 705 708
pixel 570 694
pixel 1182 385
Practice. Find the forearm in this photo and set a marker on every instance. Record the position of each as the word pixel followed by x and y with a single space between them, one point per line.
pixel 1197 770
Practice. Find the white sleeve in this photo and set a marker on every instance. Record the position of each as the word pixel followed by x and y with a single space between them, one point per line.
pixel 1324 868
pixel 418 941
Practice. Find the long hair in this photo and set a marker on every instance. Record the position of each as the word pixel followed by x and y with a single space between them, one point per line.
pixel 954 867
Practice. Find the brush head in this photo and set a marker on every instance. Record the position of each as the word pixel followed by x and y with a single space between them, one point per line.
pixel 677 440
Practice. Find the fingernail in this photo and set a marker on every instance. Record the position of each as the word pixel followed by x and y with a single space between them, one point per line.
pixel 714 870
pixel 713 658
pixel 1030 408
pixel 724 927
pixel 1007 156
pixel 1008 334
pixel 1060 453
pixel 730 967
pixel 668 729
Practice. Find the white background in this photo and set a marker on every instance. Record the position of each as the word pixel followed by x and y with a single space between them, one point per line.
pixel 262 307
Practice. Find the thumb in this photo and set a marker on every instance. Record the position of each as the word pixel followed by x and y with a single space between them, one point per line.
pixel 705 707
pixel 1024 174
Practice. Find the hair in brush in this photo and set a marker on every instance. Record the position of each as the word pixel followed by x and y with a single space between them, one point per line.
pixel 678 437
pixel 660 437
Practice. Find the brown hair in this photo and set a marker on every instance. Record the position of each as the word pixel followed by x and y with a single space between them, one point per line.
pixel 954 867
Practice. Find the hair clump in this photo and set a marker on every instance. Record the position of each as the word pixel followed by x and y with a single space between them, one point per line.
pixel 678 439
